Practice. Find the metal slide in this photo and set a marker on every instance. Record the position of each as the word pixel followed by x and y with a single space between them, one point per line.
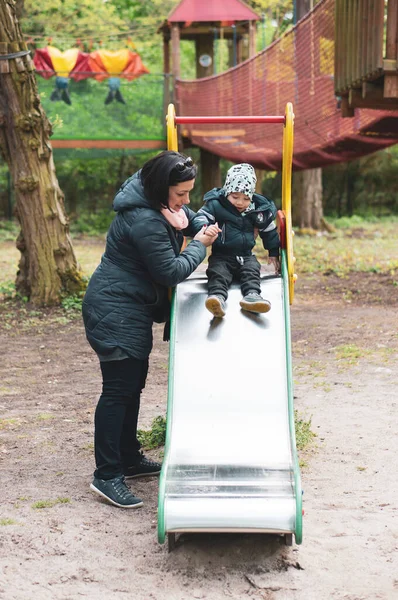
pixel 230 459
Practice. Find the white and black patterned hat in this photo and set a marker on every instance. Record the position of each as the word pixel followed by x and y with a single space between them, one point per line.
pixel 240 178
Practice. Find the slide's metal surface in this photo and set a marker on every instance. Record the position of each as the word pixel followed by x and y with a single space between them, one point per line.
pixel 230 461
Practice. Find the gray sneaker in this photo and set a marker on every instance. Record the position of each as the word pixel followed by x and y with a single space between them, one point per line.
pixel 116 492
pixel 216 305
pixel 253 302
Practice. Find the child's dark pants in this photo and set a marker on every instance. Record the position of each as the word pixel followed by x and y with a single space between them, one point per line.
pixel 116 416
pixel 223 269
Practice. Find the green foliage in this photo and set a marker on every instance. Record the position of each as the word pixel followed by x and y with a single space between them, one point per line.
pixel 93 224
pixel 9 231
pixel 304 435
pixel 154 437
pixel 73 304
pixel 65 19
pixel 367 187
pixel 8 291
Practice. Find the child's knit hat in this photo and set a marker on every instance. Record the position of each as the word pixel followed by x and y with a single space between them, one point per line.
pixel 240 178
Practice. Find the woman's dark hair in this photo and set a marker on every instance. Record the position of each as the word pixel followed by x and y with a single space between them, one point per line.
pixel 166 169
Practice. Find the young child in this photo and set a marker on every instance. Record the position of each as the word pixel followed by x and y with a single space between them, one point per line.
pixel 241 215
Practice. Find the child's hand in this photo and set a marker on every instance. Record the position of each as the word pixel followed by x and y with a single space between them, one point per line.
pixel 274 260
pixel 255 231
pixel 212 230
pixel 206 237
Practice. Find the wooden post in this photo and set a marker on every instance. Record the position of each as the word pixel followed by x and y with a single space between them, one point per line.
pixel 204 46
pixel 209 162
pixel 166 73
pixel 391 78
pixel 252 38
pixel 239 49
pixel 175 50
pixel 392 30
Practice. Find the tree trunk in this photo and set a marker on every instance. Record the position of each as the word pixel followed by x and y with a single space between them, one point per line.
pixel 48 266
pixel 307 210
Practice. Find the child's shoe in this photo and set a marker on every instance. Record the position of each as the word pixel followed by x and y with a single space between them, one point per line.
pixel 253 302
pixel 216 305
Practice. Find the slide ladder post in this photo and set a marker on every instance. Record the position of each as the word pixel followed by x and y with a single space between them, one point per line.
pixel 289 278
pixel 172 139
pixel 287 160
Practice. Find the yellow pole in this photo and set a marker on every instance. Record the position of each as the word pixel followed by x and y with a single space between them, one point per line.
pixel 172 140
pixel 287 159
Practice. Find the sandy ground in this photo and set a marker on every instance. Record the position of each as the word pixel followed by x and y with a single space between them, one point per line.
pixel 79 547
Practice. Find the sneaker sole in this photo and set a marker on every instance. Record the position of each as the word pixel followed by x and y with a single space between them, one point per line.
pixel 255 307
pixel 154 474
pixel 214 307
pixel 97 491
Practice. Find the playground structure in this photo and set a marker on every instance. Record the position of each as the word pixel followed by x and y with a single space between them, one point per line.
pixel 230 460
pixel 366 74
pixel 303 66
pixel 298 66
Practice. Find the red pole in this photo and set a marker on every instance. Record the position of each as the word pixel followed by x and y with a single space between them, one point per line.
pixel 243 119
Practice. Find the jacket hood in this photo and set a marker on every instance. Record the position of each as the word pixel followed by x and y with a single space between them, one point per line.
pixel 131 195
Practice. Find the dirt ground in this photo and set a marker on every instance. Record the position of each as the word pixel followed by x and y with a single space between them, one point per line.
pixel 59 541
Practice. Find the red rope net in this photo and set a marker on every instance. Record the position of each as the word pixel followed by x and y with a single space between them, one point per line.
pixel 297 68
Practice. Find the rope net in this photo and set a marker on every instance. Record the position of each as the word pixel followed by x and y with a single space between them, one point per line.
pixel 297 68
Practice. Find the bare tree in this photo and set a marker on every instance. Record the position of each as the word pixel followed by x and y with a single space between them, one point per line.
pixel 307 209
pixel 48 266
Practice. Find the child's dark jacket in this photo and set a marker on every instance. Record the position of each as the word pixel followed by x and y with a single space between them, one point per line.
pixel 237 235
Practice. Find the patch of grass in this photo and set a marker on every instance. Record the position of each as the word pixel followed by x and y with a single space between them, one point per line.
pixel 8 522
pixel 350 353
pixel 304 434
pixel 356 245
pixel 89 447
pixel 9 423
pixel 323 385
pixel 50 503
pixel 45 416
pixel 89 254
pixel 154 437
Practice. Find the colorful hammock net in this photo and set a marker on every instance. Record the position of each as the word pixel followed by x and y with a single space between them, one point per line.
pixel 76 79
pixel 297 68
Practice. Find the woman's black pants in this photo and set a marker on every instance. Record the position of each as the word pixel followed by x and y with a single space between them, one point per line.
pixel 116 416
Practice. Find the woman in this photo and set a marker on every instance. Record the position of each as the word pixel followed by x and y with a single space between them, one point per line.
pixel 126 294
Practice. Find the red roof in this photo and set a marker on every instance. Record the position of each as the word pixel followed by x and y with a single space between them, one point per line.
pixel 193 11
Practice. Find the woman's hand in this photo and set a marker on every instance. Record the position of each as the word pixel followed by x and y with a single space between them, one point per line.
pixel 208 234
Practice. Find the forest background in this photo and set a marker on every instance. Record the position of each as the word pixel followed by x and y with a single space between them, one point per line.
pixel 367 187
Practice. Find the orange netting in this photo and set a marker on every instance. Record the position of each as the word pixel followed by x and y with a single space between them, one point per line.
pixel 297 68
